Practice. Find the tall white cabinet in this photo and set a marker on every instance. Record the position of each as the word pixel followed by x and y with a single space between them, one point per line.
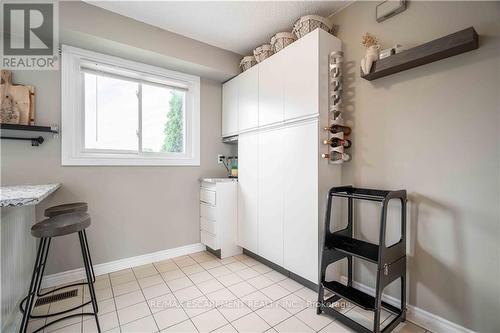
pixel 282 179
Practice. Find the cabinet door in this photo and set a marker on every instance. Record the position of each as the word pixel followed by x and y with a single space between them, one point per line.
pixel 230 107
pixel 248 99
pixel 271 183
pixel 300 224
pixel 271 90
pixel 301 78
pixel 248 228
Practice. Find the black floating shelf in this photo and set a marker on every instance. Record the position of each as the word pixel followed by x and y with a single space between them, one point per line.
pixel 31 128
pixel 441 48
pixel 35 141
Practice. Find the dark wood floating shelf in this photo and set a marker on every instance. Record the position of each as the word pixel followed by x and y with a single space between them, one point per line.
pixel 441 48
pixel 31 128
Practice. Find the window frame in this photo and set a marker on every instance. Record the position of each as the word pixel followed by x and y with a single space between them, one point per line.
pixel 73 150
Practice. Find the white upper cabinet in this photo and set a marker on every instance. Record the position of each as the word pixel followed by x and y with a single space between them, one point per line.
pixel 248 99
pixel 271 181
pixel 230 107
pixel 300 79
pixel 248 178
pixel 271 90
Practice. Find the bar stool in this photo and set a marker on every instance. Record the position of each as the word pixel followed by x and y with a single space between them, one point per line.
pixel 45 230
pixel 74 207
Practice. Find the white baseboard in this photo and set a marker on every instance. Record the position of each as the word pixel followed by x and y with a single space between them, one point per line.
pixel 414 314
pixel 113 266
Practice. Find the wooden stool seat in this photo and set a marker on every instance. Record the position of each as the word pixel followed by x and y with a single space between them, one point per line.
pixel 61 225
pixel 75 207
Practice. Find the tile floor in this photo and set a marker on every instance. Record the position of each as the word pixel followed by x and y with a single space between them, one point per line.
pixel 200 293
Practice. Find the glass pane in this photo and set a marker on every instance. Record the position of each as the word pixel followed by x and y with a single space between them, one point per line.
pixel 162 119
pixel 111 113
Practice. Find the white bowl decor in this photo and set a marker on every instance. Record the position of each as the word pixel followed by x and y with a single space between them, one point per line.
pixel 308 23
pixel 263 52
pixel 247 62
pixel 282 40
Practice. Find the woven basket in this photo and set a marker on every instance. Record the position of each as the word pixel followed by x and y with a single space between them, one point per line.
pixel 247 62
pixel 282 40
pixel 308 23
pixel 263 52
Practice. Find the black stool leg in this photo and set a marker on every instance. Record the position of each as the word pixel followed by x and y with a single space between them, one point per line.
pixel 88 255
pixel 44 264
pixel 89 278
pixel 33 285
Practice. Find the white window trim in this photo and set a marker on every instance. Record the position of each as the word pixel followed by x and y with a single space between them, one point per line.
pixel 72 114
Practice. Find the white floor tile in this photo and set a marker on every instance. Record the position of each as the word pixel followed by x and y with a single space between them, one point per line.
pixel 105 306
pixel 150 281
pixel 209 321
pixel 144 271
pixel 188 293
pixel 219 271
pixel 307 294
pixel 242 289
pixel 133 312
pixel 156 290
pixel 336 327
pixel 255 300
pixel 181 283
pixel 200 277
pixel 234 310
pixel 188 261
pixel 125 288
pixel 247 273
pixel 107 322
pixel 273 314
pixel 129 299
pixel 143 325
pixel 292 325
pixel 197 306
pixel 122 278
pixel 230 279
pixel 169 317
pixel 163 302
pixel 236 266
pixel 250 324
pixel 165 266
pixel 262 269
pixel 275 276
pixel 408 327
pixel 275 292
pixel 226 329
pixel 185 327
pixel 211 264
pixel 196 268
pixel 260 282
pixel 210 286
pixel 75 328
pixel 291 285
pixel 293 303
pixel 314 321
pixel 221 297
pixel 173 274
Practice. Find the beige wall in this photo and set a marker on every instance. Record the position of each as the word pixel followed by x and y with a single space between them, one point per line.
pixel 134 210
pixel 433 130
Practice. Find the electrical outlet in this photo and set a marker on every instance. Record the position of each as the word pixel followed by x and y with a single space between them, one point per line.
pixel 220 158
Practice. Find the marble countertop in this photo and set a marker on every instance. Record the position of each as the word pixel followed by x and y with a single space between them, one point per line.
pixel 23 195
pixel 218 180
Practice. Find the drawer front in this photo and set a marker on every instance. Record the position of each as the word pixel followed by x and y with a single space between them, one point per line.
pixel 207 196
pixel 208 186
pixel 209 240
pixel 208 226
pixel 207 211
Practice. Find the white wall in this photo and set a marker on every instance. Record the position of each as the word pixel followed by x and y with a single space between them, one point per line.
pixel 134 210
pixel 433 130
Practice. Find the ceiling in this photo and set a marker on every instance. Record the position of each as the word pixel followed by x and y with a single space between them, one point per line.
pixel 237 26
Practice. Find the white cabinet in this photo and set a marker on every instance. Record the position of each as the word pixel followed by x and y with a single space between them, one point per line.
pixel 230 107
pixel 248 99
pixel 248 177
pixel 300 80
pixel 271 181
pixel 218 216
pixel 271 89
pixel 300 188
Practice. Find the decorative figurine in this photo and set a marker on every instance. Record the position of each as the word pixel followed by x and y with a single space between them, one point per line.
pixel 372 52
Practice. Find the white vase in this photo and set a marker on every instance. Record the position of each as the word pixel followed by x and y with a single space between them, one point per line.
pixel 372 54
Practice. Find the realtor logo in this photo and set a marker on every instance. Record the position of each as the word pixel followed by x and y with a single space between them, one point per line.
pixel 29 35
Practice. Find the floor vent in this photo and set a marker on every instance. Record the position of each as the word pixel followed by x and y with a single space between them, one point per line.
pixel 56 297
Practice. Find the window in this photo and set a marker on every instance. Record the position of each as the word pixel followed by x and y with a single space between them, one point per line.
pixel 119 112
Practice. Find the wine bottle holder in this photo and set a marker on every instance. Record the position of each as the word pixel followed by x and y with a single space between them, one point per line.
pixel 335 107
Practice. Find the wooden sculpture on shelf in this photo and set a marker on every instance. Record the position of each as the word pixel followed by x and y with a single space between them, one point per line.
pixel 17 104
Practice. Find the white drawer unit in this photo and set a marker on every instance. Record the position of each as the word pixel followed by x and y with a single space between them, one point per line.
pixel 219 215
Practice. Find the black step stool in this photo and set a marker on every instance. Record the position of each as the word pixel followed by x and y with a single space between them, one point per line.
pixel 390 261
